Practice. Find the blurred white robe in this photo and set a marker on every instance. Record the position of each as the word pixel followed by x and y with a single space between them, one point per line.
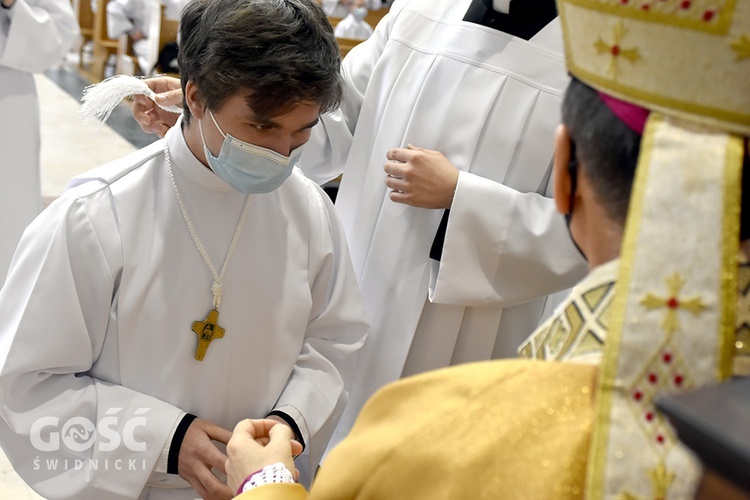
pixel 335 9
pixel 490 102
pixel 98 308
pixel 34 35
pixel 351 27
pixel 125 16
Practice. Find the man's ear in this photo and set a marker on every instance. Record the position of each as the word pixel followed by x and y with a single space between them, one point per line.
pixel 561 186
pixel 193 100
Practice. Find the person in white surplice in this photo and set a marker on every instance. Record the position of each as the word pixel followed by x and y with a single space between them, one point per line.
pixel 443 287
pixel 133 18
pixel 34 35
pixel 199 281
pixel 482 82
pixel 353 25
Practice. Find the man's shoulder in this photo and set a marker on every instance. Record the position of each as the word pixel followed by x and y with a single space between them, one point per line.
pixel 481 413
pixel 109 173
pixel 435 6
pixel 462 383
pixel 433 9
pixel 298 184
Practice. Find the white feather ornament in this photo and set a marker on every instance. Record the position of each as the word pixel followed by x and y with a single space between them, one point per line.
pixel 100 99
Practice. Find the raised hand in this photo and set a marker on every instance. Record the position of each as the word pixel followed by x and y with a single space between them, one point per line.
pixel 151 117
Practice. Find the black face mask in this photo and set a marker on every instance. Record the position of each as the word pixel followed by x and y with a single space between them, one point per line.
pixel 573 172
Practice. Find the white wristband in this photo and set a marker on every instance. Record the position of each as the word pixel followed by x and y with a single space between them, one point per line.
pixel 274 473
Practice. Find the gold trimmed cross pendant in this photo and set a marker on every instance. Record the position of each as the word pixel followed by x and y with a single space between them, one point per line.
pixel 207 330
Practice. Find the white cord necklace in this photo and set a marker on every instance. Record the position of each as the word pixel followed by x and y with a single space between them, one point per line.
pixel 209 328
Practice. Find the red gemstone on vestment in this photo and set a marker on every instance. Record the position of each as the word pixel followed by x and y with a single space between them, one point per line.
pixel 685 4
pixel 660 438
pixel 667 357
pixel 673 303
pixel 637 395
pixel 615 50
pixel 653 378
pixel 645 6
pixel 678 379
pixel 708 15
pixel 649 416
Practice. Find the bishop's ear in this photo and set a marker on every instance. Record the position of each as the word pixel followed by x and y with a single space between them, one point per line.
pixel 560 174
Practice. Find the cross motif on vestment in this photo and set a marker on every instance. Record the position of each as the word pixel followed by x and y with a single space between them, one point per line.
pixel 661 480
pixel 673 303
pixel 616 50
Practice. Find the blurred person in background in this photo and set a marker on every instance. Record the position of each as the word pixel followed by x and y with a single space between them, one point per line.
pixel 34 35
pixel 353 25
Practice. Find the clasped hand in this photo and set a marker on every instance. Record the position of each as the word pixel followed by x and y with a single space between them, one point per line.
pixel 253 445
pixel 420 177
pixel 257 443
pixel 198 455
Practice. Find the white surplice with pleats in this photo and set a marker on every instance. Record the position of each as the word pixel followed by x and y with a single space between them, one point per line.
pixel 490 102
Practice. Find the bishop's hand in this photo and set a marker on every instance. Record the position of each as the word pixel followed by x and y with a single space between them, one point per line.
pixel 420 177
pixel 151 117
pixel 198 454
pixel 257 443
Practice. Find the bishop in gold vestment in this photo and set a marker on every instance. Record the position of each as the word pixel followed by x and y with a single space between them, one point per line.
pixel 658 313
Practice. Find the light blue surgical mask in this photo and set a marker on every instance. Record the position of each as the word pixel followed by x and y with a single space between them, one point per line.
pixel 246 167
pixel 360 13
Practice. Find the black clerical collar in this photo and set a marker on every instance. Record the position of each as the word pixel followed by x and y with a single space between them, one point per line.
pixel 524 20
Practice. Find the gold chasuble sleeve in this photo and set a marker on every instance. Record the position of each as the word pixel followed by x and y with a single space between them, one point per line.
pixel 518 427
pixel 500 429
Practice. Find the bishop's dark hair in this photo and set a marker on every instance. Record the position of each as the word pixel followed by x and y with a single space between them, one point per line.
pixel 606 148
pixel 608 152
pixel 283 51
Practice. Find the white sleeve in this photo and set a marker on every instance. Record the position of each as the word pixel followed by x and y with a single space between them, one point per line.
pixel 335 332
pixel 120 17
pixel 325 154
pixel 502 247
pixel 58 306
pixel 35 34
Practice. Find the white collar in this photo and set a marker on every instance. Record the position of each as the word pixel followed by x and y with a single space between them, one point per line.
pixel 185 162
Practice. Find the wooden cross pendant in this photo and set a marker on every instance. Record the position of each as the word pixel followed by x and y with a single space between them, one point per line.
pixel 207 330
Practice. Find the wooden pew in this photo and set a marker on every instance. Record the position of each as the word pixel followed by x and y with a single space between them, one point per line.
pixel 127 62
pixel 103 45
pixel 168 30
pixel 161 32
pixel 373 17
pixel 85 17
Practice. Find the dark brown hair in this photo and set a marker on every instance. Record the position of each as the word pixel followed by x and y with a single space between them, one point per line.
pixel 284 51
pixel 606 148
